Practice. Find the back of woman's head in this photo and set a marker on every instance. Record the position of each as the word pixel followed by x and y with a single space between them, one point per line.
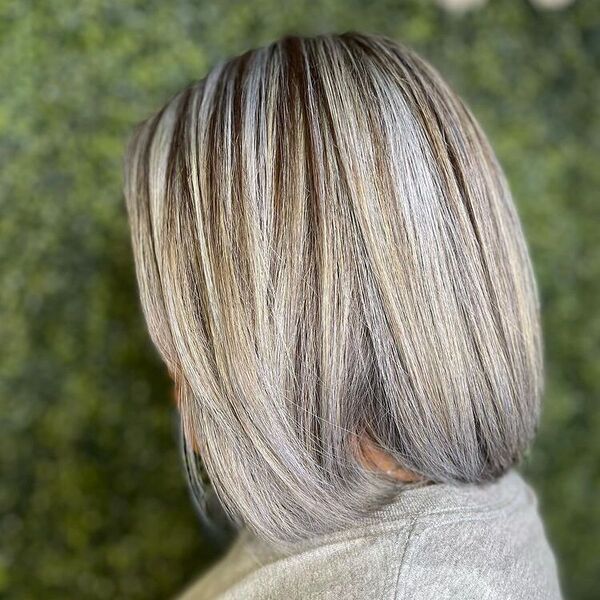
pixel 326 248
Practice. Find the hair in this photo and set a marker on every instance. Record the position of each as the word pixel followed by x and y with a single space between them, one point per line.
pixel 326 248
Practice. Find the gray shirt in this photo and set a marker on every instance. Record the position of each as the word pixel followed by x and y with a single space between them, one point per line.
pixel 441 541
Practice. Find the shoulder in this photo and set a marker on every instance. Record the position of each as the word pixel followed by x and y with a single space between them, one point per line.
pixel 484 552
pixel 361 565
pixel 443 543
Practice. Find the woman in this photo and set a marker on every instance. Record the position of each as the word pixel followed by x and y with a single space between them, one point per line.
pixel 332 268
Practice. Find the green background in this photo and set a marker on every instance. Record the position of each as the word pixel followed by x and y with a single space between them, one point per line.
pixel 93 501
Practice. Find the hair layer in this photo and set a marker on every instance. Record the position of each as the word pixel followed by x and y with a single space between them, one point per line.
pixel 326 247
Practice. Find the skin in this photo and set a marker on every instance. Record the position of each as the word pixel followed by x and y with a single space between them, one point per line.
pixel 377 459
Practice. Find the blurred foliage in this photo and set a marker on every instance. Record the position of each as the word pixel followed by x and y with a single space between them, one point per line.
pixel 93 501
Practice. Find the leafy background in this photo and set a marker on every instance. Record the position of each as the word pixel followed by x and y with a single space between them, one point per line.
pixel 93 501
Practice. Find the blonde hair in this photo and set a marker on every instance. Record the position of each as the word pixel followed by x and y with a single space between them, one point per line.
pixel 326 247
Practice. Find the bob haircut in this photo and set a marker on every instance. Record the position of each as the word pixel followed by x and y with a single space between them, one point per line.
pixel 326 248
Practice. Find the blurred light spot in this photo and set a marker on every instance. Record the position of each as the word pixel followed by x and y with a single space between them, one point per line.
pixel 461 5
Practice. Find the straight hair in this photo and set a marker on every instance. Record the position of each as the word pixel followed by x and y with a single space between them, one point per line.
pixel 326 248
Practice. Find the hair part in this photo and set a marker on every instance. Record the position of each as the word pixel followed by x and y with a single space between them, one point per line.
pixel 326 247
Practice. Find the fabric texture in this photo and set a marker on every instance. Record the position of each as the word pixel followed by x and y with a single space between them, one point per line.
pixel 440 541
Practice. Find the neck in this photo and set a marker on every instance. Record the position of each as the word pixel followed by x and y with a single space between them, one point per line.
pixel 375 458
